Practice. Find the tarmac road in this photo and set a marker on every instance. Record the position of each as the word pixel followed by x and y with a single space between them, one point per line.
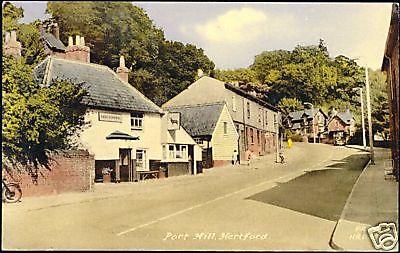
pixel 265 206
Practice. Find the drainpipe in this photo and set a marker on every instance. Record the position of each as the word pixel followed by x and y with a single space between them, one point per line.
pixel 394 155
pixel 244 127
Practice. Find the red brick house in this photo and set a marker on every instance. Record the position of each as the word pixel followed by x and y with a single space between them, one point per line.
pixel 341 126
pixel 391 66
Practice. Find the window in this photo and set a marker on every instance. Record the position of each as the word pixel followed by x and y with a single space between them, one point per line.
pixel 140 159
pixel 248 110
pixel 259 114
pixel 234 103
pixel 136 121
pixel 275 122
pixel 251 135
pixel 258 137
pixel 266 118
pixel 171 151
pixel 177 151
pixel 225 127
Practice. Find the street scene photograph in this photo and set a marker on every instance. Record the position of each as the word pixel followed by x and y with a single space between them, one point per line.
pixel 200 126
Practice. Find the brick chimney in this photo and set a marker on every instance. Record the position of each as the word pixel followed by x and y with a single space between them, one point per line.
pixel 11 45
pixel 122 70
pixel 77 51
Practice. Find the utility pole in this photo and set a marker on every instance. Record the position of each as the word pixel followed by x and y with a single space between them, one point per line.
pixel 371 137
pixel 277 136
pixel 363 118
pixel 313 119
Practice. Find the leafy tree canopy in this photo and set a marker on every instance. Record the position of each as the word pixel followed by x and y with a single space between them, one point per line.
pixel 37 119
pixel 161 68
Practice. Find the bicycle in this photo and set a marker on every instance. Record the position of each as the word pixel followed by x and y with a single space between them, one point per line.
pixel 11 192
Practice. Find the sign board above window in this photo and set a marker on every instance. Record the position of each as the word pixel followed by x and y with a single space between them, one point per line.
pixel 110 117
pixel 174 120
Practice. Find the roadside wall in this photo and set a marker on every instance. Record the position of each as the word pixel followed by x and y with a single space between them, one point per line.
pixel 69 171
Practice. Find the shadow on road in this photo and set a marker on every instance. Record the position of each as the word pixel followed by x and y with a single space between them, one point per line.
pixel 322 193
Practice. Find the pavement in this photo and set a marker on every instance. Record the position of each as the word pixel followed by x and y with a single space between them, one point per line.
pixel 265 206
pixel 373 200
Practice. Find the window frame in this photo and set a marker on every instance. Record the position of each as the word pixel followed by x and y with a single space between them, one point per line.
pixel 135 119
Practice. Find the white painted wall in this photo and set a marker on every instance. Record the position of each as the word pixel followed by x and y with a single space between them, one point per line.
pixel 93 136
pixel 179 136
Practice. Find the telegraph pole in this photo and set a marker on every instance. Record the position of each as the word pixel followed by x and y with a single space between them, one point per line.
pixel 363 118
pixel 371 137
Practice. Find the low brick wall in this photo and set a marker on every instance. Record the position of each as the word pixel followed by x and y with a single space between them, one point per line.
pixel 69 171
pixel 221 163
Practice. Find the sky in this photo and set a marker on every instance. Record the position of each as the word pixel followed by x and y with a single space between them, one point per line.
pixel 232 34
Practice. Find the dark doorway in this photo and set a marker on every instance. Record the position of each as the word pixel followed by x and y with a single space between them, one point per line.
pixel 127 170
pixel 191 159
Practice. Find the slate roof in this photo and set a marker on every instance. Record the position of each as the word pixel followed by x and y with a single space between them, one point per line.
pixel 346 116
pixel 296 126
pixel 251 97
pixel 199 120
pixel 105 89
pixel 52 42
pixel 297 115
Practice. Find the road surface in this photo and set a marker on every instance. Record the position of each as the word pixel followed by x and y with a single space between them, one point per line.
pixel 266 206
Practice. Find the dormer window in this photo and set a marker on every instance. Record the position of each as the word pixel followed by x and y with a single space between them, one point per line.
pixel 136 121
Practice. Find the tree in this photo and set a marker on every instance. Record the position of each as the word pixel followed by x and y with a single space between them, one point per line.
pixel 28 34
pixel 160 69
pixel 287 105
pixel 11 15
pixel 37 119
pixel 379 103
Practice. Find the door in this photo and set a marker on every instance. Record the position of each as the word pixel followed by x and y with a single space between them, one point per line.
pixel 127 170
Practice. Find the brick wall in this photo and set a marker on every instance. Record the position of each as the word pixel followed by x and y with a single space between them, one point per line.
pixel 69 171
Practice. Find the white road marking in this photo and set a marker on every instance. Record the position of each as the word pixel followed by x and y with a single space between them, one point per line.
pixel 218 198
pixel 202 204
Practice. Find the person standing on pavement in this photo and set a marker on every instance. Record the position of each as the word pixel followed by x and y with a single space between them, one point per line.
pixel 249 156
pixel 234 158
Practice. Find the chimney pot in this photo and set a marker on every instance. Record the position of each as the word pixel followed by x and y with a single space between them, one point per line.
pixel 200 73
pixel 122 62
pixel 77 40
pixel 70 41
pixel 13 36
pixel 12 46
pixel 7 38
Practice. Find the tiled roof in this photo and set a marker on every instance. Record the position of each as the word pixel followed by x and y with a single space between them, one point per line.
pixel 52 42
pixel 199 120
pixel 105 89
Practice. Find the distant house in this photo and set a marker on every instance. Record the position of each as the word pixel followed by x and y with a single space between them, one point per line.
pixel 390 65
pixel 301 122
pixel 341 126
pixel 255 121
pixel 212 128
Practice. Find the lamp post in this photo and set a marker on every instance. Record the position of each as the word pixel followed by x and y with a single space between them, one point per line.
pixel 362 116
pixel 313 121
